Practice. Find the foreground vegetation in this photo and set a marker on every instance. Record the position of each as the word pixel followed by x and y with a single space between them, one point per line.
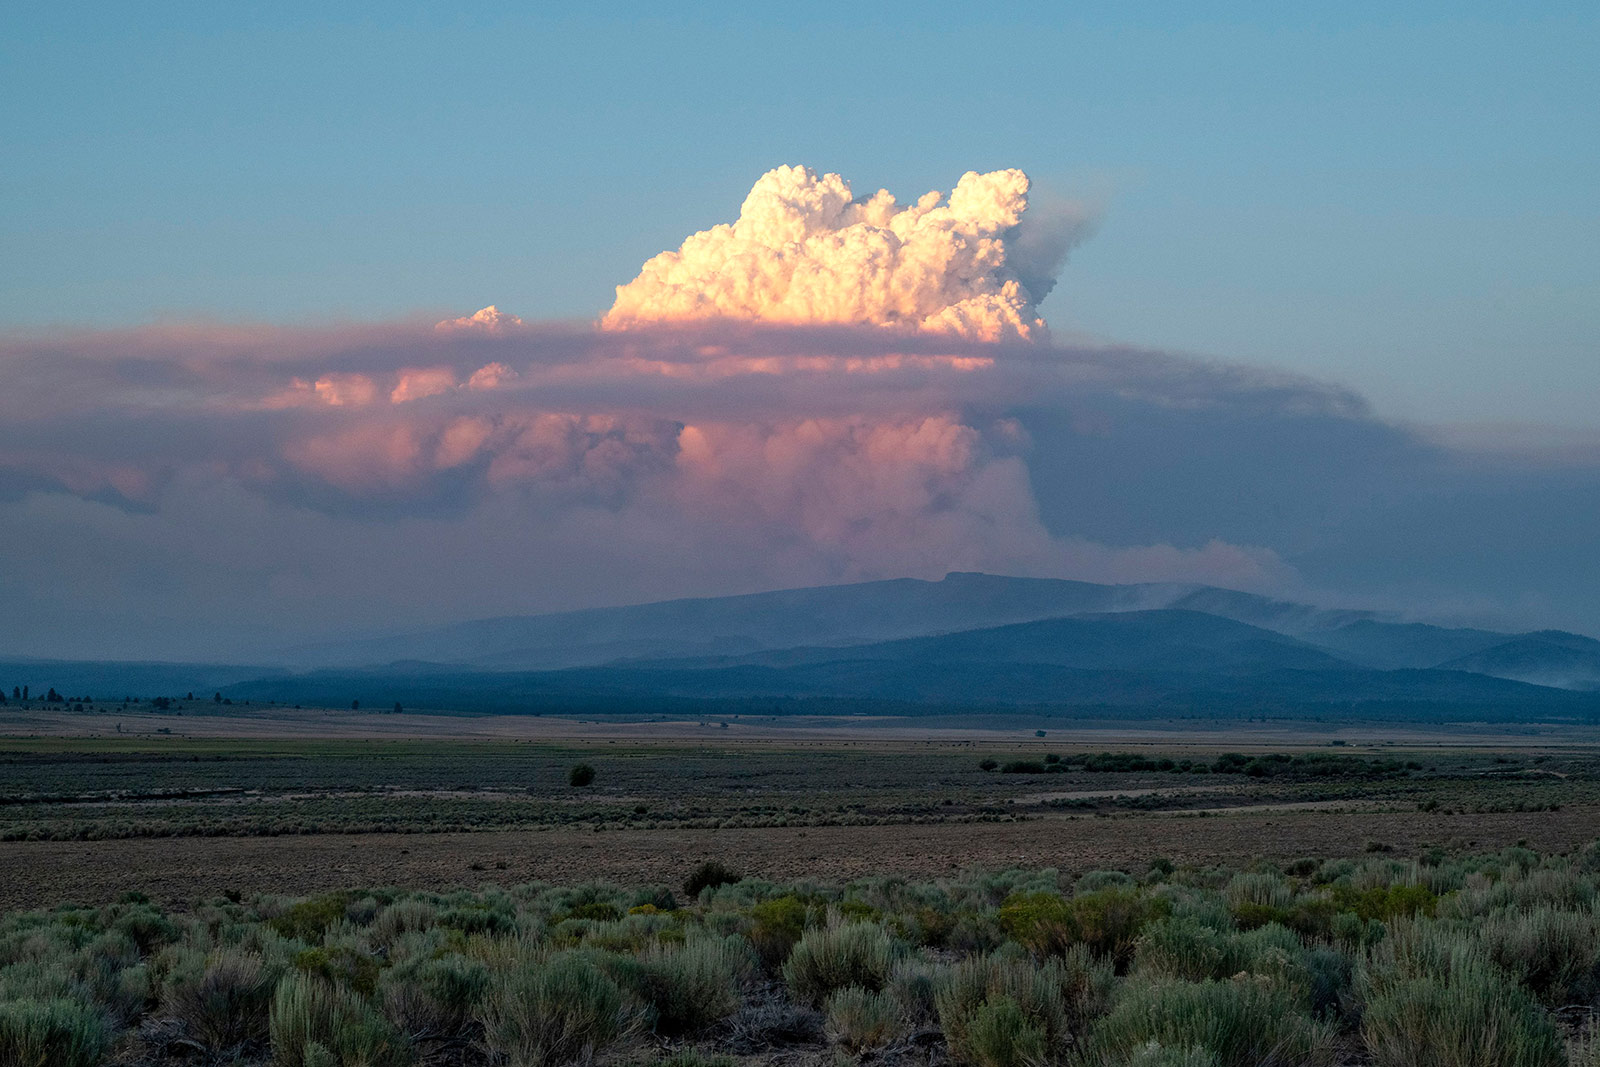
pixel 1439 961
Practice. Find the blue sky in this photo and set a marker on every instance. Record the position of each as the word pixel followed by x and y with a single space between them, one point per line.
pixel 1396 197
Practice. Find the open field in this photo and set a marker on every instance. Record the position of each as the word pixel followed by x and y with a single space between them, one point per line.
pixel 254 799
pixel 207 889
pixel 176 871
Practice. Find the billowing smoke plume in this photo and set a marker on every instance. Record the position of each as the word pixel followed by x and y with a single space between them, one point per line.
pixel 805 251
pixel 810 394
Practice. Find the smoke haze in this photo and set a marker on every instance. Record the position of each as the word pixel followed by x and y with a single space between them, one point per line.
pixel 827 389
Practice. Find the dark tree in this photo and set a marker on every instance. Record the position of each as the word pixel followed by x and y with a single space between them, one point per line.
pixel 581 774
pixel 355 705
pixel 217 699
pixel 709 875
pixel 397 708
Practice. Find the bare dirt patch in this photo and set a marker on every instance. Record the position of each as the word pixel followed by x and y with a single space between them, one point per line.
pixel 180 871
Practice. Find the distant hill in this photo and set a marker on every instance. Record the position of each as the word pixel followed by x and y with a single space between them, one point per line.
pixel 1160 640
pixel 822 615
pixel 1282 616
pixel 1548 657
pixel 1391 645
pixel 970 643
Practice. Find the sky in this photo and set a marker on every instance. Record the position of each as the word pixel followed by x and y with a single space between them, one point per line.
pixel 1398 197
pixel 1327 324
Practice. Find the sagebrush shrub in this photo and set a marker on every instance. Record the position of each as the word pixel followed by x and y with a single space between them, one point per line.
pixel 223 1000
pixel 1191 951
pixel 554 1009
pixel 913 984
pixel 1107 921
pixel 687 987
pixel 1241 1023
pixel 402 917
pixel 1001 1034
pixel 309 919
pixel 434 999
pixel 998 988
pixel 313 1019
pixel 861 1019
pixel 1554 952
pixel 51 1033
pixel 775 926
pixel 1433 997
pixel 832 957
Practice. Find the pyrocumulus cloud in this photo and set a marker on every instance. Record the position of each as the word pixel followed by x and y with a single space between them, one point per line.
pixel 826 389
pixel 804 250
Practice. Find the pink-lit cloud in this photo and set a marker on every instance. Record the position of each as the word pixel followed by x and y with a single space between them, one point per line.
pixel 826 389
pixel 805 250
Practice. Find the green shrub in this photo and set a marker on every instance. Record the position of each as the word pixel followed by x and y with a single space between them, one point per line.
pixel 1552 951
pixel 1479 1019
pixel 1094 881
pixel 309 919
pixel 403 917
pixel 145 926
pixel 1261 890
pixel 687 987
pixel 434 999
pixel 1432 997
pixel 913 984
pixel 1107 921
pixel 1053 999
pixel 775 926
pixel 51 1033
pixel 860 1019
pixel 1387 902
pixel 314 1021
pixel 1241 1023
pixel 1001 1034
pixel 343 965
pixel 1189 950
pixel 1183 948
pixel 581 774
pixel 223 1000
pixel 709 875
pixel 556 1009
pixel 828 958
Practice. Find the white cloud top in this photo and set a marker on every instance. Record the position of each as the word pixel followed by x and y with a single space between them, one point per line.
pixel 805 251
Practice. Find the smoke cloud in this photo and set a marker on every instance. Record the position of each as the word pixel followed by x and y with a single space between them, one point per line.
pixel 804 250
pixel 828 389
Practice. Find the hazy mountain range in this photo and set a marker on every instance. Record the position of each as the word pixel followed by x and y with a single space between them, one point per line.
pixel 968 641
